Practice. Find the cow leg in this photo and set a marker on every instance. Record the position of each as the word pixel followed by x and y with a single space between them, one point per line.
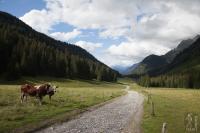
pixel 22 97
pixel 26 97
pixel 40 100
pixel 50 97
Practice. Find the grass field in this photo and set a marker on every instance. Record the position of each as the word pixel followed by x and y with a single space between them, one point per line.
pixel 171 106
pixel 71 95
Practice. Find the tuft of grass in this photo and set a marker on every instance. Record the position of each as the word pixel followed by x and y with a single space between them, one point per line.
pixel 71 95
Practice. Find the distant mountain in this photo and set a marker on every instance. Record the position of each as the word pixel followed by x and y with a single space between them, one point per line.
pixel 130 69
pixel 149 63
pixel 153 62
pixel 182 71
pixel 186 60
pixel 26 52
pixel 124 70
pixel 169 56
pixel 119 68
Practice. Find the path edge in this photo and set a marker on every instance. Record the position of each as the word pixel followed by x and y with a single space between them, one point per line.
pixel 61 118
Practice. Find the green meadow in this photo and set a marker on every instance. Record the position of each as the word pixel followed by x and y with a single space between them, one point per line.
pixel 171 105
pixel 72 97
pixel 75 96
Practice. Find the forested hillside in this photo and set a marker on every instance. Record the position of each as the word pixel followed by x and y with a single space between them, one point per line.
pixel 183 71
pixel 149 63
pixel 25 52
pixel 154 62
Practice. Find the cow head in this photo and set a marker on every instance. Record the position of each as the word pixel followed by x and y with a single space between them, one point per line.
pixel 54 88
pixel 51 89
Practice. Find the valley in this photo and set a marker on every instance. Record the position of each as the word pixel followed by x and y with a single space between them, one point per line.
pixel 99 66
pixel 75 96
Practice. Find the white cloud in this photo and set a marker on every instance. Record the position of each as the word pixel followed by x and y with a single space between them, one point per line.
pixel 118 18
pixel 114 32
pixel 40 20
pixel 89 46
pixel 65 36
pixel 174 25
pixel 156 33
pixel 83 14
pixel 113 60
pixel 151 27
pixel 133 51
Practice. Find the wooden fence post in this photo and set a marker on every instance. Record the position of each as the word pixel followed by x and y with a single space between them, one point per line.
pixel 103 96
pixel 148 98
pixel 164 128
pixel 152 109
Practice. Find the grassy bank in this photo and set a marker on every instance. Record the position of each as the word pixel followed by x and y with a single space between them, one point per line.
pixel 171 106
pixel 71 95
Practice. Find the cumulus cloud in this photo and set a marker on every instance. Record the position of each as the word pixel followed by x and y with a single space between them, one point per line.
pixel 114 33
pixel 136 48
pixel 89 46
pixel 40 20
pixel 170 24
pixel 83 14
pixel 150 27
pixel 116 60
pixel 133 51
pixel 157 32
pixel 65 36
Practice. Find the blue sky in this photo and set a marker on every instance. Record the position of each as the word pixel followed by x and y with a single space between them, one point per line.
pixel 118 33
pixel 20 7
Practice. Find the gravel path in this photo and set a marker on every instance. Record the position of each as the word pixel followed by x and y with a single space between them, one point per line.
pixel 122 115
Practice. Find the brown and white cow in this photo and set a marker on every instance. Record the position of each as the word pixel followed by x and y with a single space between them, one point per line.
pixel 38 91
pixel 45 89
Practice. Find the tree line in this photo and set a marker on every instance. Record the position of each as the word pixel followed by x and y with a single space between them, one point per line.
pixel 172 80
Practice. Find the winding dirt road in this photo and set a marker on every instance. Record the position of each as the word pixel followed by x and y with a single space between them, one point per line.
pixel 123 115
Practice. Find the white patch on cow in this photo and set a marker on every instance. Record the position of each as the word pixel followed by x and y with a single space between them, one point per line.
pixel 54 87
pixel 37 86
pixel 51 89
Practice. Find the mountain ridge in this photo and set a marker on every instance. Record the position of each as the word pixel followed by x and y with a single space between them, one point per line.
pixel 182 72
pixel 155 62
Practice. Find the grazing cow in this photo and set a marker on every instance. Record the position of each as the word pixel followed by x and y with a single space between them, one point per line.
pixel 38 91
pixel 45 89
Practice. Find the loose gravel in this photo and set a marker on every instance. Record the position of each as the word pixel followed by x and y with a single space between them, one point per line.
pixel 113 117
